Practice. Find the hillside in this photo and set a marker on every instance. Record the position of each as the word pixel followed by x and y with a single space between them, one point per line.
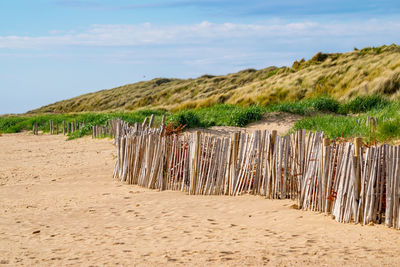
pixel 341 75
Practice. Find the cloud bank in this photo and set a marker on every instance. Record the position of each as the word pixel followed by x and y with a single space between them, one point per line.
pixel 208 33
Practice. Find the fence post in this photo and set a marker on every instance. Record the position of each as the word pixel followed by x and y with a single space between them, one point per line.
pixel 195 162
pixel 325 183
pixel 274 133
pixel 357 150
pixel 233 161
pixel 357 173
pixel 151 121
pixel 163 120
pixel 144 122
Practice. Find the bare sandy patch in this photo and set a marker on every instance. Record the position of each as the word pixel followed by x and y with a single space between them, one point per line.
pixel 279 121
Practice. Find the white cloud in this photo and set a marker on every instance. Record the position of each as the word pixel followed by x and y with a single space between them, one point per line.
pixel 203 33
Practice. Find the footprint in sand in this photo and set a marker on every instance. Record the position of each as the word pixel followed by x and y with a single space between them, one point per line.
pixel 225 253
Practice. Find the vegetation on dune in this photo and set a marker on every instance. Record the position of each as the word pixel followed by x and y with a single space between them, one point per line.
pixel 227 115
pixel 336 93
pixel 307 106
pixel 386 126
pixel 218 115
pixel 15 124
pixel 336 119
pixel 363 104
pixel 343 76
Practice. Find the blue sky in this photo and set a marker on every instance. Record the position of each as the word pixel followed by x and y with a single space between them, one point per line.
pixel 53 50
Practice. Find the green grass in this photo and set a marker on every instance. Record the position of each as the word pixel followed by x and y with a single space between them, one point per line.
pixel 321 114
pixel 333 126
pixel 363 104
pixel 218 115
pixel 15 124
pixel 307 106
pixel 387 128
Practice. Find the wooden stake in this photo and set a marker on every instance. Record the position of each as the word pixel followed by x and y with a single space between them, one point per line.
pixel 163 120
pixel 144 122
pixel 151 120
pixel 195 155
pixel 357 151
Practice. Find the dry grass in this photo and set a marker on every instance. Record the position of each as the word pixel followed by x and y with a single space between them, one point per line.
pixel 343 76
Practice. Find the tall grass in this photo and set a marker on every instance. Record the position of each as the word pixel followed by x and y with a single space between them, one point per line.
pixel 333 126
pixel 307 106
pixel 387 127
pixel 363 104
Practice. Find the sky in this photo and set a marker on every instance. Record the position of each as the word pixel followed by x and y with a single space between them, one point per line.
pixel 51 50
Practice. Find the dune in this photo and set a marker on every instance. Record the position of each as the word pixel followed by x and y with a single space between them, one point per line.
pixel 60 206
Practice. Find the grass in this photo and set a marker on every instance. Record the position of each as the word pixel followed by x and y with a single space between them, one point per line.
pixel 321 114
pixel 333 126
pixel 223 115
pixel 307 106
pixel 387 128
pixel 364 104
pixel 15 124
pixel 218 115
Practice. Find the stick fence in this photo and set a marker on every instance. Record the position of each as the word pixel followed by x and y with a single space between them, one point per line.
pixel 351 182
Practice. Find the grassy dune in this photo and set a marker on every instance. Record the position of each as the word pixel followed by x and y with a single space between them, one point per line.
pixel 337 119
pixel 341 75
pixel 336 93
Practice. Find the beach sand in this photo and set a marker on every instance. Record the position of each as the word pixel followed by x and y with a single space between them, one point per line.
pixel 59 205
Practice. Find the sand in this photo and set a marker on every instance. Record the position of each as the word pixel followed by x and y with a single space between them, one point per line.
pixel 60 206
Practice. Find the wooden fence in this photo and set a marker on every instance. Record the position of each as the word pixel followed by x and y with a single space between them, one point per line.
pixel 351 182
pixel 64 127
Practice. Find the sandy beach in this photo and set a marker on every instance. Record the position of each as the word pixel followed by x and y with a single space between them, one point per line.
pixel 59 205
